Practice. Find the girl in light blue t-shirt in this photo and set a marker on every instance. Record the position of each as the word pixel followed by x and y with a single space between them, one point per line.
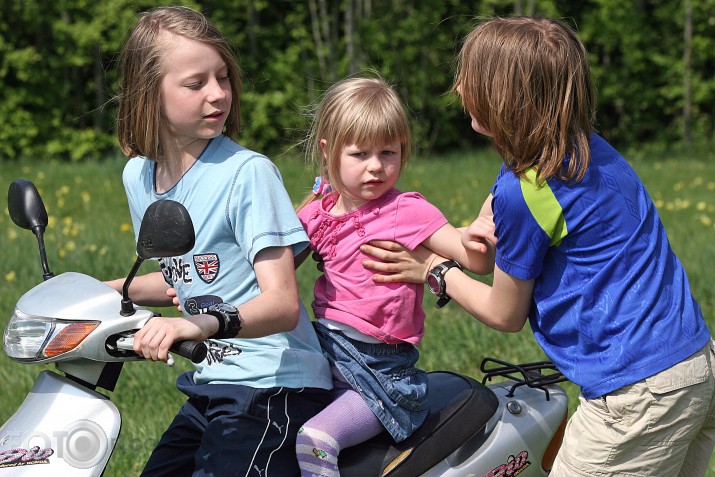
pixel 264 374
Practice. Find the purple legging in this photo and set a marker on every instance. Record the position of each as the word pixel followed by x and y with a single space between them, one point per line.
pixel 347 421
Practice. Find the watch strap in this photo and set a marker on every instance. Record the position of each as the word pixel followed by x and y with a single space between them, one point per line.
pixel 439 271
pixel 221 322
pixel 442 300
pixel 229 324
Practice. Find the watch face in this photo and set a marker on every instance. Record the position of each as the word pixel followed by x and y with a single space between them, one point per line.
pixel 226 308
pixel 433 284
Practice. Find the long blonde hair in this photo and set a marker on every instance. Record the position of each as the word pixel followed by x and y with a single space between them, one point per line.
pixel 363 111
pixel 139 115
pixel 528 82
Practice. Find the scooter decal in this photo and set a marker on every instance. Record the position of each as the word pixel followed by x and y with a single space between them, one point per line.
pixel 19 457
pixel 207 266
pixel 514 466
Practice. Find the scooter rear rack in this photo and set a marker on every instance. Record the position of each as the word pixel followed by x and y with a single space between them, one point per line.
pixel 529 374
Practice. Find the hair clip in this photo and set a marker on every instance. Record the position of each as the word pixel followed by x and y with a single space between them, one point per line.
pixel 321 186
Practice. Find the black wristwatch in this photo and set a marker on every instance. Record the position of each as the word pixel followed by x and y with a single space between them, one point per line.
pixel 229 320
pixel 436 284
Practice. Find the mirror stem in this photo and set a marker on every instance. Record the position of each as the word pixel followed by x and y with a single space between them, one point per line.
pixel 39 231
pixel 127 305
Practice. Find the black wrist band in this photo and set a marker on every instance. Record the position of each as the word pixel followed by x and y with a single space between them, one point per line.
pixel 229 320
pixel 233 326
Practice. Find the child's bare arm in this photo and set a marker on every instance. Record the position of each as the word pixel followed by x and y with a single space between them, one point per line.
pixel 473 246
pixel 145 290
pixel 503 306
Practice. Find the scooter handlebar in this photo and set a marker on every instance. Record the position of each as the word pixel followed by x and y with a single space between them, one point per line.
pixel 193 350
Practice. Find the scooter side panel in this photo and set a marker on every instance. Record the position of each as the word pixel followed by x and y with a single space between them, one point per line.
pixel 517 442
pixel 61 428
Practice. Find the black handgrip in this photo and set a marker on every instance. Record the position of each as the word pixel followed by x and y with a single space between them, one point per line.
pixel 193 350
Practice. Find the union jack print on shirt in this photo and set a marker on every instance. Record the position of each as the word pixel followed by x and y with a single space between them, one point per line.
pixel 207 266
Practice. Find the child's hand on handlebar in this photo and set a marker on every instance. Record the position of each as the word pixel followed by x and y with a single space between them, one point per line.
pixel 155 338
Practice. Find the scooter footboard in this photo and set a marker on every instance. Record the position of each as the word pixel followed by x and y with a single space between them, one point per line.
pixel 62 428
pixel 460 407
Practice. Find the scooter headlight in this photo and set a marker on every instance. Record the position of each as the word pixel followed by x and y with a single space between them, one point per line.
pixel 34 338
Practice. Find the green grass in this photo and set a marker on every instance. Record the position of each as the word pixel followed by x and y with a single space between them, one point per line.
pixel 90 232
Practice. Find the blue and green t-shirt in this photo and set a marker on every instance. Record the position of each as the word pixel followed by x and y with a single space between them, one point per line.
pixel 611 303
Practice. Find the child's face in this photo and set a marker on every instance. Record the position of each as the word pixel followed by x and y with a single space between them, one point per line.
pixel 195 92
pixel 369 172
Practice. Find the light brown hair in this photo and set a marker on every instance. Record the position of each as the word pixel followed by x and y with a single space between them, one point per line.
pixel 528 82
pixel 142 70
pixel 362 111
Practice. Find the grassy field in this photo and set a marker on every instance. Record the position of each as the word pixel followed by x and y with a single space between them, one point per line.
pixel 90 232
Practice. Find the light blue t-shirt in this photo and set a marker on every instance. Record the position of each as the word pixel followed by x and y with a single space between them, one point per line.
pixel 611 302
pixel 239 206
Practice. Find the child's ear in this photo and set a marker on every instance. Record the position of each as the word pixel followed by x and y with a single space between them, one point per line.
pixel 324 147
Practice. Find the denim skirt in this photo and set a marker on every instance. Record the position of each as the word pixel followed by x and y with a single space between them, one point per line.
pixel 385 376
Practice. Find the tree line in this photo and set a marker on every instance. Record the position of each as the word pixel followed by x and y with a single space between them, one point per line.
pixel 654 64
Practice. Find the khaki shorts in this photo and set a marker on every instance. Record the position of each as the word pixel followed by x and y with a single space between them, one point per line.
pixel 661 426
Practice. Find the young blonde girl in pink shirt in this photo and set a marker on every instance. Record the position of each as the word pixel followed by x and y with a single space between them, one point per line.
pixel 368 331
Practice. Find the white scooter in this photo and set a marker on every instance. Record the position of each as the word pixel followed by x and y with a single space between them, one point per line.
pixel 64 427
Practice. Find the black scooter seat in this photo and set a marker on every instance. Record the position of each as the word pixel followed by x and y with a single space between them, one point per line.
pixel 459 409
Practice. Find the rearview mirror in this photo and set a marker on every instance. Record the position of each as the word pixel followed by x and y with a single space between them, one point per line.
pixel 28 212
pixel 166 231
pixel 25 206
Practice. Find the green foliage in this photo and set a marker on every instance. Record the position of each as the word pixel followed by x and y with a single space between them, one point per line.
pixel 57 66
pixel 53 59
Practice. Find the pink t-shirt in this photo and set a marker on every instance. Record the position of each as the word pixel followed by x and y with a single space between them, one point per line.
pixel 389 312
